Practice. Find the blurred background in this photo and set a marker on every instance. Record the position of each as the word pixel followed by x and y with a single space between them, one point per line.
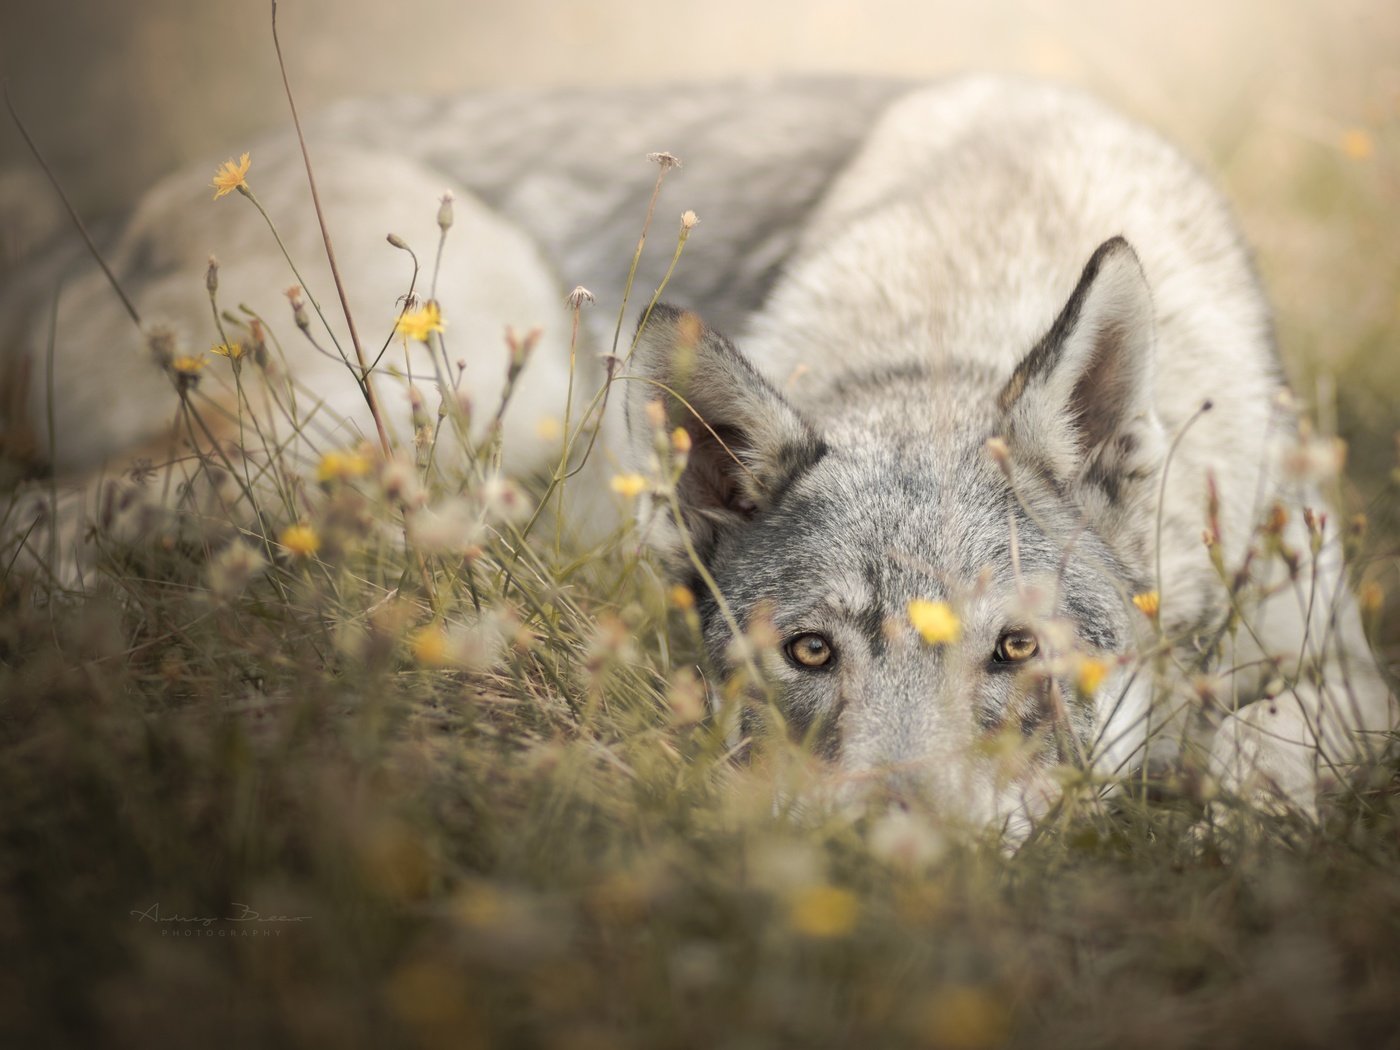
pixel 1294 106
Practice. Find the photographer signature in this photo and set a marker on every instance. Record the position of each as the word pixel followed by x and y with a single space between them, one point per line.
pixel 241 913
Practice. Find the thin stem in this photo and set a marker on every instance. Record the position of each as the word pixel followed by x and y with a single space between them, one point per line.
pixel 72 212
pixel 368 386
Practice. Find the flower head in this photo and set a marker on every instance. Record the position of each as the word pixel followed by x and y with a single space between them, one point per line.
pixel 231 177
pixel 1149 602
pixel 233 351
pixel 936 622
pixel 629 485
pixel 300 540
pixel 824 911
pixel 1090 675
pixel 186 368
pixel 1357 143
pixel 429 645
pixel 341 466
pixel 418 324
pixel 232 568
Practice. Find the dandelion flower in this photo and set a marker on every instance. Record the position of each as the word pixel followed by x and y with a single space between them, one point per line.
pixel 936 622
pixel 1358 144
pixel 1149 603
pixel 1372 598
pixel 419 324
pixel 681 597
pixel 233 351
pixel 429 645
pixel 301 540
pixel 231 177
pixel 1090 675
pixel 629 485
pixel 186 368
pixel 502 499
pixel 232 568
pixel 450 526
pixel 341 466
pixel 966 1016
pixel 823 911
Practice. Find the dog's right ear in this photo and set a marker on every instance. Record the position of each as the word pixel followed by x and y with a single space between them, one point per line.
pixel 746 441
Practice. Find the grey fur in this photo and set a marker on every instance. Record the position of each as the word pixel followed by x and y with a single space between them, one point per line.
pixel 1009 260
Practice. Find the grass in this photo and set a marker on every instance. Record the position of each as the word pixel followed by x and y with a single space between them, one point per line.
pixel 405 787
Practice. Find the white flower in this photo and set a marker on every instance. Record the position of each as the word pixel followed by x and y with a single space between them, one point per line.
pixel 448 527
pixel 504 500
pixel 905 840
pixel 233 567
pixel 399 478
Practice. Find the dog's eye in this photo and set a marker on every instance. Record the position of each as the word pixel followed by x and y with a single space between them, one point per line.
pixel 810 651
pixel 1015 646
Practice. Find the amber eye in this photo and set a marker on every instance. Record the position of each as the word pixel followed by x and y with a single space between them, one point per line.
pixel 1015 646
pixel 810 651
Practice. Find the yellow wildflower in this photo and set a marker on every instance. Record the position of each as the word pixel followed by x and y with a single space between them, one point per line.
pixel 823 911
pixel 966 1017
pixel 681 597
pixel 233 351
pixel 1090 675
pixel 629 485
pixel 547 428
pixel 936 622
pixel 1358 144
pixel 341 466
pixel 1149 602
pixel 429 645
pixel 187 364
pixel 1372 598
pixel 419 324
pixel 301 540
pixel 231 177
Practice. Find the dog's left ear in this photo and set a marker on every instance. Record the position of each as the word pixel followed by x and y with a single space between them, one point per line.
pixel 1082 401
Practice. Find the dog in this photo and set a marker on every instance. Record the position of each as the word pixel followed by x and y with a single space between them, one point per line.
pixel 992 482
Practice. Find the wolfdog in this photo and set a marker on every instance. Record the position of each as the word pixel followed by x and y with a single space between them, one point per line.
pixel 991 483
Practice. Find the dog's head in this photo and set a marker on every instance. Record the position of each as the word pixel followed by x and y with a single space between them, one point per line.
pixel 933 569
